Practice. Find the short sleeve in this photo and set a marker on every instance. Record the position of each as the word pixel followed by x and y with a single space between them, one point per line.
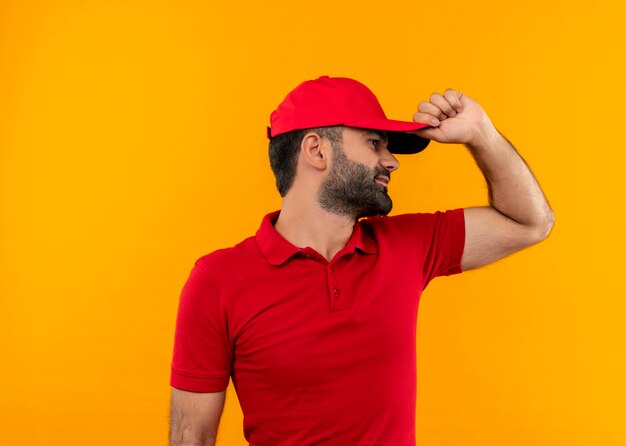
pixel 202 355
pixel 435 241
pixel 448 240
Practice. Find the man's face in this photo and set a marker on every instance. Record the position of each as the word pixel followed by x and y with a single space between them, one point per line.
pixel 356 184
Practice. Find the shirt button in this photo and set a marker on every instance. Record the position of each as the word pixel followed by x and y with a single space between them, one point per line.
pixel 335 292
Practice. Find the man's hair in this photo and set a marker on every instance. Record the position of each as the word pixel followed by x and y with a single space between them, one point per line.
pixel 284 150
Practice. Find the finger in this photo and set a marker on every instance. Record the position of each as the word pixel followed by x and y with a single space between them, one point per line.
pixel 427 132
pixel 425 118
pixel 443 104
pixel 429 108
pixel 454 99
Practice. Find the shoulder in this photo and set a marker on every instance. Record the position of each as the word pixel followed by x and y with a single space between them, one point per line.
pixel 411 220
pixel 414 226
pixel 221 261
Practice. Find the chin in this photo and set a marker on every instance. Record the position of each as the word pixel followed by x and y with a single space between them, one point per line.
pixel 376 211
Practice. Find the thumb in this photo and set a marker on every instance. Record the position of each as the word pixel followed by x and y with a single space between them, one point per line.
pixel 427 132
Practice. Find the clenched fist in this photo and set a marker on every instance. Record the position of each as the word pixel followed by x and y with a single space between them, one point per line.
pixel 455 118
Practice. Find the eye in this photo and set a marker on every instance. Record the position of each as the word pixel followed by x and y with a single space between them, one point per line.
pixel 375 142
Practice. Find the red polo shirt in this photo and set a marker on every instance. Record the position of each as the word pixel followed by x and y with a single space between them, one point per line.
pixel 320 353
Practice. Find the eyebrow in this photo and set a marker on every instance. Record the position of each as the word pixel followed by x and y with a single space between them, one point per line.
pixel 380 134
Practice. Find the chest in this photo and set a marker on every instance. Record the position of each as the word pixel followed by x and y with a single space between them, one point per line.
pixel 295 325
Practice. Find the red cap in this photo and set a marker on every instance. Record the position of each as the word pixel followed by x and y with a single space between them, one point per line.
pixel 329 101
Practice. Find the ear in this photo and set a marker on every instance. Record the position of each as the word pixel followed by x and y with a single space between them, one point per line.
pixel 314 151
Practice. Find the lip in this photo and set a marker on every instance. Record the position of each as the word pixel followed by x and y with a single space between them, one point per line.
pixel 382 179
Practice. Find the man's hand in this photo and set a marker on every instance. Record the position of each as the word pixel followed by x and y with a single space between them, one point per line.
pixel 455 117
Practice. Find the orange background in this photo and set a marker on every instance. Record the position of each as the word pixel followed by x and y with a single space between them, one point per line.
pixel 132 141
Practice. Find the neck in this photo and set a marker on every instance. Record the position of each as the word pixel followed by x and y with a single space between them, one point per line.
pixel 307 224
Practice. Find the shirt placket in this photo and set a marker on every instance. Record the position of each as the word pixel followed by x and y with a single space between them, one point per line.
pixel 336 300
pixel 334 293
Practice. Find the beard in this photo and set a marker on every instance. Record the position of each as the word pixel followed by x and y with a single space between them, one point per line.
pixel 350 189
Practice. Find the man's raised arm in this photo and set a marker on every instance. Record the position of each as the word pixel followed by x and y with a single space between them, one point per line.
pixel 519 214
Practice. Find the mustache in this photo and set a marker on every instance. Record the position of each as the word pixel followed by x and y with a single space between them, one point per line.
pixel 382 172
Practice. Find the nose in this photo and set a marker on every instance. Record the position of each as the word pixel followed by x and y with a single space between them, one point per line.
pixel 389 161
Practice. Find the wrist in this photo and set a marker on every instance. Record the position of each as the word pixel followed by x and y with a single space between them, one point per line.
pixel 486 135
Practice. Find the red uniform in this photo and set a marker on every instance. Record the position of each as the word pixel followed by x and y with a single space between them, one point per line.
pixel 320 353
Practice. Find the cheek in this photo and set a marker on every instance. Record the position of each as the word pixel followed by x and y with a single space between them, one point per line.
pixel 365 156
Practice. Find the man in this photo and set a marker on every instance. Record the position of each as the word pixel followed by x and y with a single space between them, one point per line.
pixel 314 317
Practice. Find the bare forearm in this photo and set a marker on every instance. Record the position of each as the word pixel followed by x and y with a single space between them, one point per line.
pixel 195 417
pixel 207 442
pixel 185 434
pixel 193 443
pixel 513 189
pixel 187 437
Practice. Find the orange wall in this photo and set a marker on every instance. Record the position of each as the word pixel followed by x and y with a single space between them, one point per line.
pixel 132 141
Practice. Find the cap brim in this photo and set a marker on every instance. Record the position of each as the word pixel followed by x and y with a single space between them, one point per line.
pixel 399 142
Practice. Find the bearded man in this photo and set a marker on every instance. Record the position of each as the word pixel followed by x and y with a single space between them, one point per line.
pixel 314 317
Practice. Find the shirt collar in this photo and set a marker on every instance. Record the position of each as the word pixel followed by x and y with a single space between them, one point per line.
pixel 278 250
